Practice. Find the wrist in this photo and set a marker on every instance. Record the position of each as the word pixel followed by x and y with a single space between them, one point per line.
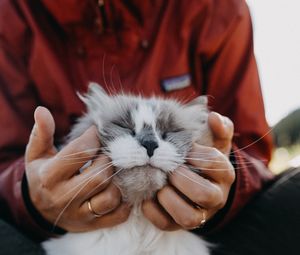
pixel 34 213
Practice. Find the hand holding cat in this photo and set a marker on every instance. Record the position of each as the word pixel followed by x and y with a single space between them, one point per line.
pixel 58 192
pixel 208 191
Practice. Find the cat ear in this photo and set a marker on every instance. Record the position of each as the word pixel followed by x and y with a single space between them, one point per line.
pixel 201 100
pixel 96 98
pixel 95 88
pixel 197 109
pixel 198 104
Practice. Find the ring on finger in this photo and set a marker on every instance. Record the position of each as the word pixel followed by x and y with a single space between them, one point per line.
pixel 203 221
pixel 92 211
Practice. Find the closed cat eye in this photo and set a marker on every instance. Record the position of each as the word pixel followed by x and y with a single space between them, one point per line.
pixel 164 135
pixel 121 125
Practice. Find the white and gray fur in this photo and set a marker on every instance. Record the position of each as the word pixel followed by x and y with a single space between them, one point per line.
pixel 148 139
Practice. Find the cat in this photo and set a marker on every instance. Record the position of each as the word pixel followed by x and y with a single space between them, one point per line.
pixel 146 139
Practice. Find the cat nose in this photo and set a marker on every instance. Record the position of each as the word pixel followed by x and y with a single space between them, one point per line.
pixel 150 146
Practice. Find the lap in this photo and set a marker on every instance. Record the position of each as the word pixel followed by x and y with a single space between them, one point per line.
pixel 12 242
pixel 270 224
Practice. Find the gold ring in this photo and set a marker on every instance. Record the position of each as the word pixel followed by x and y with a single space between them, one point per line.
pixel 92 211
pixel 203 221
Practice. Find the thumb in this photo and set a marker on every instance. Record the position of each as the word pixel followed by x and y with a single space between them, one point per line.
pixel 41 138
pixel 222 129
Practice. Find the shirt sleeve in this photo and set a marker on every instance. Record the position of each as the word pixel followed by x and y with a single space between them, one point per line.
pixel 232 84
pixel 17 102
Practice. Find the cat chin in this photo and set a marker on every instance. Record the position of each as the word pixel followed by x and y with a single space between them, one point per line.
pixel 140 183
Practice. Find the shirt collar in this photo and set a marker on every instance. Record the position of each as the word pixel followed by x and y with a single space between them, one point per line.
pixel 67 11
pixel 72 12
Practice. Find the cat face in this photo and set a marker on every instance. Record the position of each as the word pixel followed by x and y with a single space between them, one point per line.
pixel 145 138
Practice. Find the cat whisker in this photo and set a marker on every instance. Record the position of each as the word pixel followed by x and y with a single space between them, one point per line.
pixel 203 159
pixel 218 161
pixel 103 71
pixel 114 174
pixel 209 155
pixel 82 157
pixel 257 140
pixel 119 78
pixel 189 178
pixel 106 166
pixel 75 195
pixel 75 162
pixel 69 158
pixel 78 153
pixel 246 161
pixel 212 169
pixel 116 164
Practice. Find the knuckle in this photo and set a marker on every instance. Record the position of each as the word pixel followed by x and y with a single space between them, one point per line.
pixel 99 182
pixel 231 174
pixel 199 194
pixel 164 225
pixel 210 199
pixel 81 148
pixel 228 172
pixel 124 214
pixel 219 201
pixel 221 204
pixel 191 221
pixel 110 201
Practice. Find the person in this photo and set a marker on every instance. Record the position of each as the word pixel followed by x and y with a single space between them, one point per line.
pixel 180 49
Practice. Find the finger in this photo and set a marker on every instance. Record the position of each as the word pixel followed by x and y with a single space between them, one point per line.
pixel 198 189
pixel 183 213
pixel 211 163
pixel 93 179
pixel 73 156
pixel 41 138
pixel 104 202
pixel 157 215
pixel 111 219
pixel 222 129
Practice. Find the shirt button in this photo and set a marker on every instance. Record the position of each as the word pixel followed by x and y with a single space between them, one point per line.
pixel 99 26
pixel 145 44
pixel 100 3
pixel 81 52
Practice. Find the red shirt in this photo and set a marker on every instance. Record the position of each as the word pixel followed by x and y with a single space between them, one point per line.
pixel 51 49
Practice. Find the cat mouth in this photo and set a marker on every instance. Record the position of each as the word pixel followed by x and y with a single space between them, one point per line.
pixel 164 167
pixel 149 166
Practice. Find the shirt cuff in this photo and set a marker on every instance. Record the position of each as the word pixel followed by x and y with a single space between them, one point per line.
pixel 45 225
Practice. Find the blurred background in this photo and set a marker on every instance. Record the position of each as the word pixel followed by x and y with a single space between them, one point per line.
pixel 277 48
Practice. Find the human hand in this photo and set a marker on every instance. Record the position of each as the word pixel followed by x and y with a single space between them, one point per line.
pixel 203 193
pixel 56 188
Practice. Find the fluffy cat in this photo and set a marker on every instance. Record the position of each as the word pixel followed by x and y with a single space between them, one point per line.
pixel 147 139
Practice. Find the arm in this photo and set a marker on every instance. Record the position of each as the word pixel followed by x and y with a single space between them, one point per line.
pixel 225 55
pixel 30 187
pixel 233 83
pixel 16 102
